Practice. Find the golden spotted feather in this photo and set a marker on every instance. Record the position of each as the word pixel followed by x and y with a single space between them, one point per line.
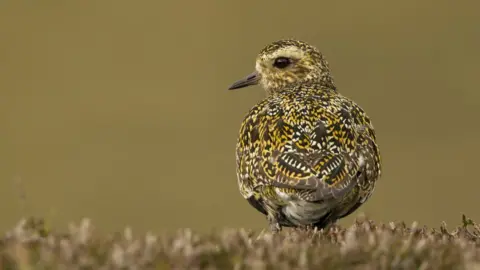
pixel 306 155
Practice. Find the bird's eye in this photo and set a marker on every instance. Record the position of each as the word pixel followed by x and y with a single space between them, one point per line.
pixel 282 62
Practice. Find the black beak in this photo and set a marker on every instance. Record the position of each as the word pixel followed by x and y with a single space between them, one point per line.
pixel 251 79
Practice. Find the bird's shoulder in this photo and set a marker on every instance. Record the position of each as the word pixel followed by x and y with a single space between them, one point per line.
pixel 301 114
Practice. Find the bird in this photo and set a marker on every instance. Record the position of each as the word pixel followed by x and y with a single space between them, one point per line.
pixel 306 155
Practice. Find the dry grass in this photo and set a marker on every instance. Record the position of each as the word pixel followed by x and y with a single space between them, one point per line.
pixel 364 245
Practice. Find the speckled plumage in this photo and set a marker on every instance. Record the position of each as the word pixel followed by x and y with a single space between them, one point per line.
pixel 306 155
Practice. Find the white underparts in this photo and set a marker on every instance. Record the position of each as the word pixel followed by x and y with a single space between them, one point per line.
pixel 301 212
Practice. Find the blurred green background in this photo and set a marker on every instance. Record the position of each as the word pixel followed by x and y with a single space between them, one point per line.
pixel 118 110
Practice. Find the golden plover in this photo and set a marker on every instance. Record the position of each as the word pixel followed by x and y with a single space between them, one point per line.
pixel 306 155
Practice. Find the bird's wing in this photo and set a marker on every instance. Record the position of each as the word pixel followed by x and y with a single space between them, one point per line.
pixel 327 161
pixel 329 175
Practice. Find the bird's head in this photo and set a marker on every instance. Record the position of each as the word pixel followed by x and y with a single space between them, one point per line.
pixel 286 62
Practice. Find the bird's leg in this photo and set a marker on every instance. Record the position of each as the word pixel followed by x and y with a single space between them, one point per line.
pixel 271 208
pixel 307 228
pixel 274 224
pixel 272 217
pixel 326 227
pixel 330 225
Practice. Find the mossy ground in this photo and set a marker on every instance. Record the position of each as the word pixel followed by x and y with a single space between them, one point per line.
pixel 363 245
